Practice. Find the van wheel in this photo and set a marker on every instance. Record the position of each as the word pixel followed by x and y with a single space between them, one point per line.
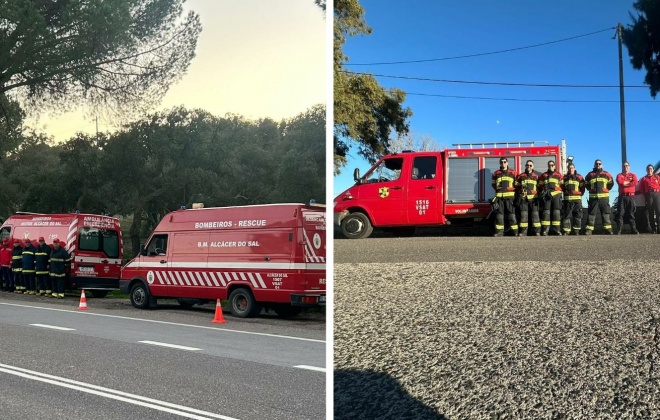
pixel 285 310
pixel 242 303
pixel 140 296
pixel 356 226
pixel 99 293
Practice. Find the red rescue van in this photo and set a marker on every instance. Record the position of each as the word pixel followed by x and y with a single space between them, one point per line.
pixel 409 189
pixel 95 242
pixel 270 256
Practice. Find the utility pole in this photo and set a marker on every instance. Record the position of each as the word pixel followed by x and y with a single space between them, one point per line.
pixel 624 158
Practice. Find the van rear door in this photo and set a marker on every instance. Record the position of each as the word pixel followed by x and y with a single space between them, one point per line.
pixel 313 227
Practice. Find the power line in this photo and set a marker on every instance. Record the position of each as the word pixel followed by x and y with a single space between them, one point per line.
pixel 385 63
pixel 518 99
pixel 473 82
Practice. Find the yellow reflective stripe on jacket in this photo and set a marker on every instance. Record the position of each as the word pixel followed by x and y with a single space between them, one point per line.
pixel 507 194
pixel 57 275
pixel 599 179
pixel 16 257
pixel 599 195
pixel 41 253
pixel 572 197
pixel 28 252
pixel 57 259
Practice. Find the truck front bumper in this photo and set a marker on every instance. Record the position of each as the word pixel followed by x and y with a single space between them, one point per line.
pixel 339 216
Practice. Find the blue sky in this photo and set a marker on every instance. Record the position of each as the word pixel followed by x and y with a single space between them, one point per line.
pixel 419 30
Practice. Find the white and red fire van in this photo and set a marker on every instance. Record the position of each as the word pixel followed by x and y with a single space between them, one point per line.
pixel 262 256
pixel 95 242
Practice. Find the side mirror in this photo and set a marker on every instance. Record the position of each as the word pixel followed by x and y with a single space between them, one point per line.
pixel 356 175
pixel 143 250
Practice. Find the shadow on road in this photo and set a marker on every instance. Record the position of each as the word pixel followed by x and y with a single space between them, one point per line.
pixel 375 395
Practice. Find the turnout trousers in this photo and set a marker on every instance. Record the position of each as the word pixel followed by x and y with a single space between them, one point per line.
pixel 572 216
pixel 602 206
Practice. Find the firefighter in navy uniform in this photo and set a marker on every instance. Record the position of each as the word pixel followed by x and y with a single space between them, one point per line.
pixel 41 265
pixel 504 181
pixel 599 183
pixel 550 183
pixel 527 188
pixel 573 186
pixel 17 267
pixel 28 267
pixel 58 260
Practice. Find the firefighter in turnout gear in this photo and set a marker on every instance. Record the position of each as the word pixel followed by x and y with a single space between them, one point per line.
pixel 527 188
pixel 599 183
pixel 573 186
pixel 550 183
pixel 504 180
pixel 627 181
pixel 17 267
pixel 41 265
pixel 59 258
pixel 28 267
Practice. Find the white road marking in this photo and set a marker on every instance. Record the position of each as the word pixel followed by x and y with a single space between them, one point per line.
pixel 53 327
pixel 317 369
pixel 167 323
pixel 180 410
pixel 174 346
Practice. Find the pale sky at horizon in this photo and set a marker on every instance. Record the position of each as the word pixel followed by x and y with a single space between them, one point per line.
pixel 255 58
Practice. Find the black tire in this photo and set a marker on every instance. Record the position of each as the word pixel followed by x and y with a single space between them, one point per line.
pixel 98 293
pixel 285 310
pixel 242 303
pixel 140 297
pixel 356 226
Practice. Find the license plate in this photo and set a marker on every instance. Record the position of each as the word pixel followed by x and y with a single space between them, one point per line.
pixel 321 299
pixel 86 269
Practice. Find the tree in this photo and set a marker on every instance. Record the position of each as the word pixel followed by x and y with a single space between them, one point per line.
pixel 421 143
pixel 111 54
pixel 365 112
pixel 642 39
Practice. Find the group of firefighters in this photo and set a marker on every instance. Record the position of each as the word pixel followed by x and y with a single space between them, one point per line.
pixel 554 201
pixel 33 270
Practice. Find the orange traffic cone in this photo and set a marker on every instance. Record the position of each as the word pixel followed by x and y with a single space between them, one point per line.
pixel 83 302
pixel 219 318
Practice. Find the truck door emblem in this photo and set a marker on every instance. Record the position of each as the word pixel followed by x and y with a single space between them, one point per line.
pixel 150 277
pixel 383 192
pixel 317 241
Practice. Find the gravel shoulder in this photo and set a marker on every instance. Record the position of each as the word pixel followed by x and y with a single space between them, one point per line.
pixel 486 339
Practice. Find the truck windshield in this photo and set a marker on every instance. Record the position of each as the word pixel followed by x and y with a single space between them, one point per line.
pixel 387 170
pixel 100 240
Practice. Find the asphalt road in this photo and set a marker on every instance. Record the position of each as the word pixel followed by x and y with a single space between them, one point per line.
pixel 479 327
pixel 58 362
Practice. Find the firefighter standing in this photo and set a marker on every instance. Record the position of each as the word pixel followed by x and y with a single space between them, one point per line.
pixel 58 260
pixel 5 264
pixel 41 266
pixel 599 183
pixel 527 188
pixel 649 185
pixel 627 182
pixel 17 267
pixel 504 180
pixel 550 183
pixel 573 186
pixel 28 267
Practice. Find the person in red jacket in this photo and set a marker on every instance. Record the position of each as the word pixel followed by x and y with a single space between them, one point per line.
pixel 649 185
pixel 5 264
pixel 599 182
pixel 504 181
pixel 627 182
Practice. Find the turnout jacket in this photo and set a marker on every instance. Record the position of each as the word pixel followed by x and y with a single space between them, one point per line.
pixel 41 257
pixel 551 182
pixel 28 258
pixel 527 185
pixel 504 182
pixel 599 184
pixel 17 258
pixel 58 260
pixel 573 186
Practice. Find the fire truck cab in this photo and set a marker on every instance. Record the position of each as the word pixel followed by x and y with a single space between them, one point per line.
pixel 409 189
pixel 94 241
pixel 258 256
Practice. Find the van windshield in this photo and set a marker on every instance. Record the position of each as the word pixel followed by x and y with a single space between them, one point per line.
pixel 100 240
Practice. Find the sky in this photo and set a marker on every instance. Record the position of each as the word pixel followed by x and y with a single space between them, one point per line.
pixel 255 58
pixel 448 28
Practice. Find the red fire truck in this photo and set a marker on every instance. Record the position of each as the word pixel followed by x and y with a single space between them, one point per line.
pixel 259 256
pixel 94 240
pixel 409 189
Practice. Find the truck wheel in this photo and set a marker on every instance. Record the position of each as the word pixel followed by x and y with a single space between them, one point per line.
pixel 99 293
pixel 242 303
pixel 356 226
pixel 140 296
pixel 285 310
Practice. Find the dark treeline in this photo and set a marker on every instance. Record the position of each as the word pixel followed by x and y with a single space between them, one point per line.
pixel 164 161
